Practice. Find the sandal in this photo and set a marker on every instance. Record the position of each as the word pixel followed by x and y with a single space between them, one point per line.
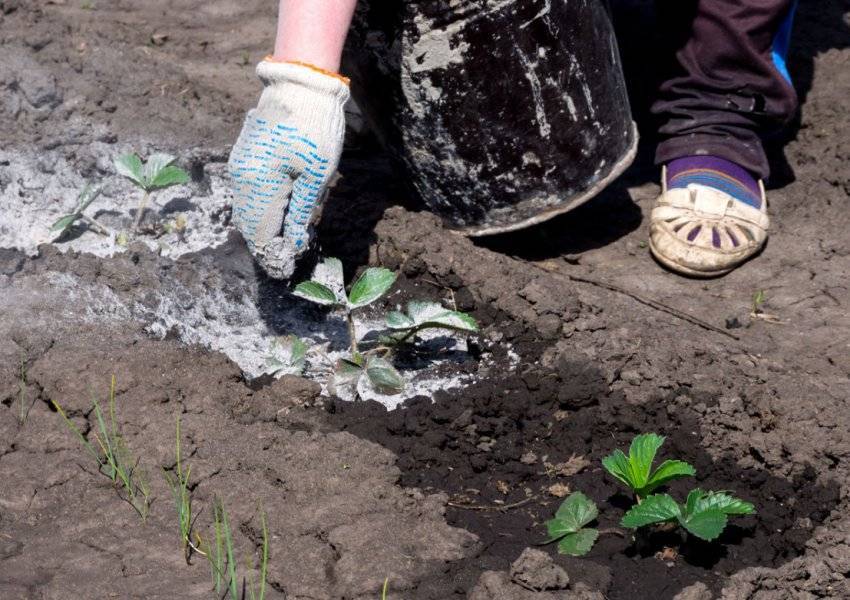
pixel 704 232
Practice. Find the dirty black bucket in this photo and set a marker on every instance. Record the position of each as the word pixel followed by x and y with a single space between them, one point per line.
pixel 503 113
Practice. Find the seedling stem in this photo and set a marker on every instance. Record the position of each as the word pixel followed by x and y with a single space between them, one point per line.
pixel 143 206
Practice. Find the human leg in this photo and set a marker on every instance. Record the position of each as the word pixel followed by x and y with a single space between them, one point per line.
pixel 730 88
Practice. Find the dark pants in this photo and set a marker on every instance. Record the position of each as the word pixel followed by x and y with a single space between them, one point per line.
pixel 729 87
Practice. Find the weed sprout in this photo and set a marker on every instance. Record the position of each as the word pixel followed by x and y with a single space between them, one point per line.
pixel 113 457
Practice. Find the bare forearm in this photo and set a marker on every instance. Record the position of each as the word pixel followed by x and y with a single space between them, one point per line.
pixel 313 31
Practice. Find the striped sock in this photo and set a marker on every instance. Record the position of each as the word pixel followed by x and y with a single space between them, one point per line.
pixel 717 173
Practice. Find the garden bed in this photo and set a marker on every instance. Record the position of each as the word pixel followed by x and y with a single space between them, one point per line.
pixel 584 343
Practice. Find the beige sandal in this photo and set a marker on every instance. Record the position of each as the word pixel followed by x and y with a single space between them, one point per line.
pixel 703 232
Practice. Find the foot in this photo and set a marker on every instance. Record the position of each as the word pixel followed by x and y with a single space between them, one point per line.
pixel 710 218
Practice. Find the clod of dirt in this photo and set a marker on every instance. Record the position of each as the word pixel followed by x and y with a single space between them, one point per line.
pixel 697 591
pixel 535 570
pixel 495 585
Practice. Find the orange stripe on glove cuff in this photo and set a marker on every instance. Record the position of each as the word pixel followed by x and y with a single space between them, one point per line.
pixel 342 78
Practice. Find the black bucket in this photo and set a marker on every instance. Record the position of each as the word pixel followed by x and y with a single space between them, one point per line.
pixel 503 113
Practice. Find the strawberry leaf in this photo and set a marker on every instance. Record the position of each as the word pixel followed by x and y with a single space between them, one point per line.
pixel 577 511
pixel 399 321
pixel 315 292
pixel 641 455
pixel 87 196
pixel 654 509
pixel 130 166
pixel 64 222
pixel 168 176
pixel 668 471
pixel 706 525
pixel 374 283
pixel 721 501
pixel 578 543
pixel 384 377
pixel 574 513
pixel 154 165
pixel 617 464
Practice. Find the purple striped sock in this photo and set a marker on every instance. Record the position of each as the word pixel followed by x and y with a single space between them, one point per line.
pixel 717 173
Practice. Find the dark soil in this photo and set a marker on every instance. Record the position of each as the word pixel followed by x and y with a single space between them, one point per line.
pixel 447 490
pixel 496 445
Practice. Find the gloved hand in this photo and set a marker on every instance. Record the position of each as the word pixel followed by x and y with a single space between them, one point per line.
pixel 284 159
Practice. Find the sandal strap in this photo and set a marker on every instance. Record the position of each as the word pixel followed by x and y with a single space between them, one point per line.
pixel 706 202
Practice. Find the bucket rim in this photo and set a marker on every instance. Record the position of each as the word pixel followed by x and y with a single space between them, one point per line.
pixel 618 169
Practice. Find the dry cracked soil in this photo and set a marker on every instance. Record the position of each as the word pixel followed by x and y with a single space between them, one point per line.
pixel 585 342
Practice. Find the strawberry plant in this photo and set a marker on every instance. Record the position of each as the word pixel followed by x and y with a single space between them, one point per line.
pixel 327 288
pixel 158 173
pixel 704 514
pixel 86 197
pixel 635 470
pixel 568 526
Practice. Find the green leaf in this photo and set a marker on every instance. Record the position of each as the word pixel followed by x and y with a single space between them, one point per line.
pixel 668 471
pixel 346 374
pixel 694 496
pixel 398 320
pixel 422 311
pixel 329 273
pixel 373 284
pixel 617 464
pixel 576 511
pixel 155 164
pixel 86 197
pixel 315 292
pixel 64 222
pixel 384 377
pixel 167 177
pixel 578 543
pixel 653 509
pixel 287 354
pixel 723 502
pixel 452 319
pixel 130 166
pixel 347 369
pixel 297 351
pixel 641 455
pixel 706 525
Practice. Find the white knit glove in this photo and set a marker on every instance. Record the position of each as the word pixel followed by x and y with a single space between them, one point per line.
pixel 284 159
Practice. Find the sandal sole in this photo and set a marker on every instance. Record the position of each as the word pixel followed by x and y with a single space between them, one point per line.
pixel 683 270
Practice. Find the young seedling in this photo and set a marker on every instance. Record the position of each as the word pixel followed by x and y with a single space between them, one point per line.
pixel 327 289
pixel 758 300
pixel 113 457
pixel 704 514
pixel 568 526
pixel 223 564
pixel 158 173
pixel 635 470
pixel 86 197
pixel 757 312
pixel 179 486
